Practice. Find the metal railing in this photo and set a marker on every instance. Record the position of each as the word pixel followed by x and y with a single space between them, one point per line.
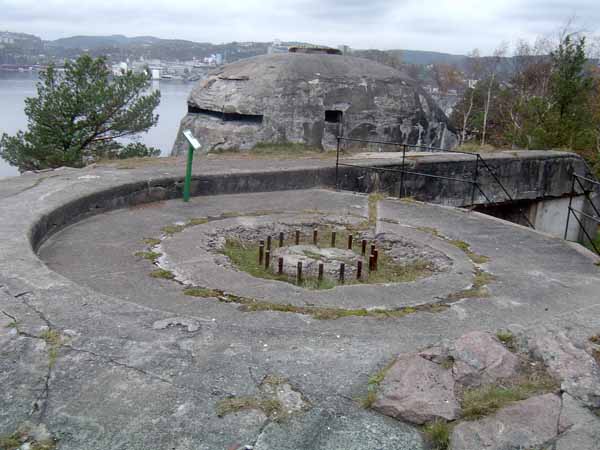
pixel 479 163
pixel 579 183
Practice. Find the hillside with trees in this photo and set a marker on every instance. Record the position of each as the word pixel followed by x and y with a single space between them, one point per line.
pixel 550 100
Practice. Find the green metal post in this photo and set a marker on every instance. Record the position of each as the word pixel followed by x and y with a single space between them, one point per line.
pixel 188 174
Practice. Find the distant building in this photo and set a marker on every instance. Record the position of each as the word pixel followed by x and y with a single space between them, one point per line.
pixel 346 50
pixel 119 69
pixel 277 47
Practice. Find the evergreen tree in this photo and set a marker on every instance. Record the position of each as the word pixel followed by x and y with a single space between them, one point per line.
pixel 79 115
pixel 570 87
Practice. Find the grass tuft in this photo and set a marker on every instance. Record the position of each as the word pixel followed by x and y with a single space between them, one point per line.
pixel 162 273
pixel 202 292
pixel 447 363
pixel 466 248
pixel 437 433
pixel 54 341
pixel 486 400
pixel 507 338
pixel 172 229
pixel 477 290
pixel 461 245
pixel 151 241
pixel 197 221
pixel 150 256
pixel 10 442
pixel 373 385
pixel 21 439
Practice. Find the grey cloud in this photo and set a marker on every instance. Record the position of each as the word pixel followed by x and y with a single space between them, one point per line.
pixel 442 25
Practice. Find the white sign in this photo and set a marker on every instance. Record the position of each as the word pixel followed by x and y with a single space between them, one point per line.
pixel 192 140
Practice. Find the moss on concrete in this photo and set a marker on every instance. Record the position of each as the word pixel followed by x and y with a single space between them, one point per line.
pixel 197 221
pixel 508 339
pixel 477 290
pixel 202 292
pixel 149 255
pixel 321 313
pixel 172 229
pixel 461 245
pixel 22 439
pixel 10 441
pixel 54 341
pixel 162 273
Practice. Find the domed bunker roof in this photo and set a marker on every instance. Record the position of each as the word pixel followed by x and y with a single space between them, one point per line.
pixel 309 98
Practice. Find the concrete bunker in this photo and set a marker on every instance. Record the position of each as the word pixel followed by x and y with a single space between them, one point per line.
pixel 307 97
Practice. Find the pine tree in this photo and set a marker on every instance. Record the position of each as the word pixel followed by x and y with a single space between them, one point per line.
pixel 79 115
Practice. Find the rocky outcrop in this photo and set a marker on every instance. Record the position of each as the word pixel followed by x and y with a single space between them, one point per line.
pixel 417 390
pixel 433 385
pixel 479 358
pixel 527 424
pixel 420 387
pixel 309 99
pixel 578 371
pixel 578 427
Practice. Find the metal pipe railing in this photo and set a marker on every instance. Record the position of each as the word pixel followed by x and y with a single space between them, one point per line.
pixel 473 181
pixel 577 213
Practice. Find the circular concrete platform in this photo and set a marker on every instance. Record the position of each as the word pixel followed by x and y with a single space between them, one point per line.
pixel 108 355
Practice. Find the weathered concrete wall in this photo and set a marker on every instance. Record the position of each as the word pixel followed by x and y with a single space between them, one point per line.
pixel 537 183
pixel 550 216
pixel 527 176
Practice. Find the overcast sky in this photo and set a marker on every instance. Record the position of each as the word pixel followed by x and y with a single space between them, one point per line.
pixel 454 26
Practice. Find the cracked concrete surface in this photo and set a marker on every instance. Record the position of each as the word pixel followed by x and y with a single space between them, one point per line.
pixel 121 382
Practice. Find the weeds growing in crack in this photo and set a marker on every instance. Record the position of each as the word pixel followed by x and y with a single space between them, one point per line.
pixel 21 440
pixel 373 385
pixel 54 341
pixel 461 245
pixel 162 274
pixel 485 400
pixel 477 290
pixel 149 255
pixel 507 339
pixel 437 434
pixel 321 313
